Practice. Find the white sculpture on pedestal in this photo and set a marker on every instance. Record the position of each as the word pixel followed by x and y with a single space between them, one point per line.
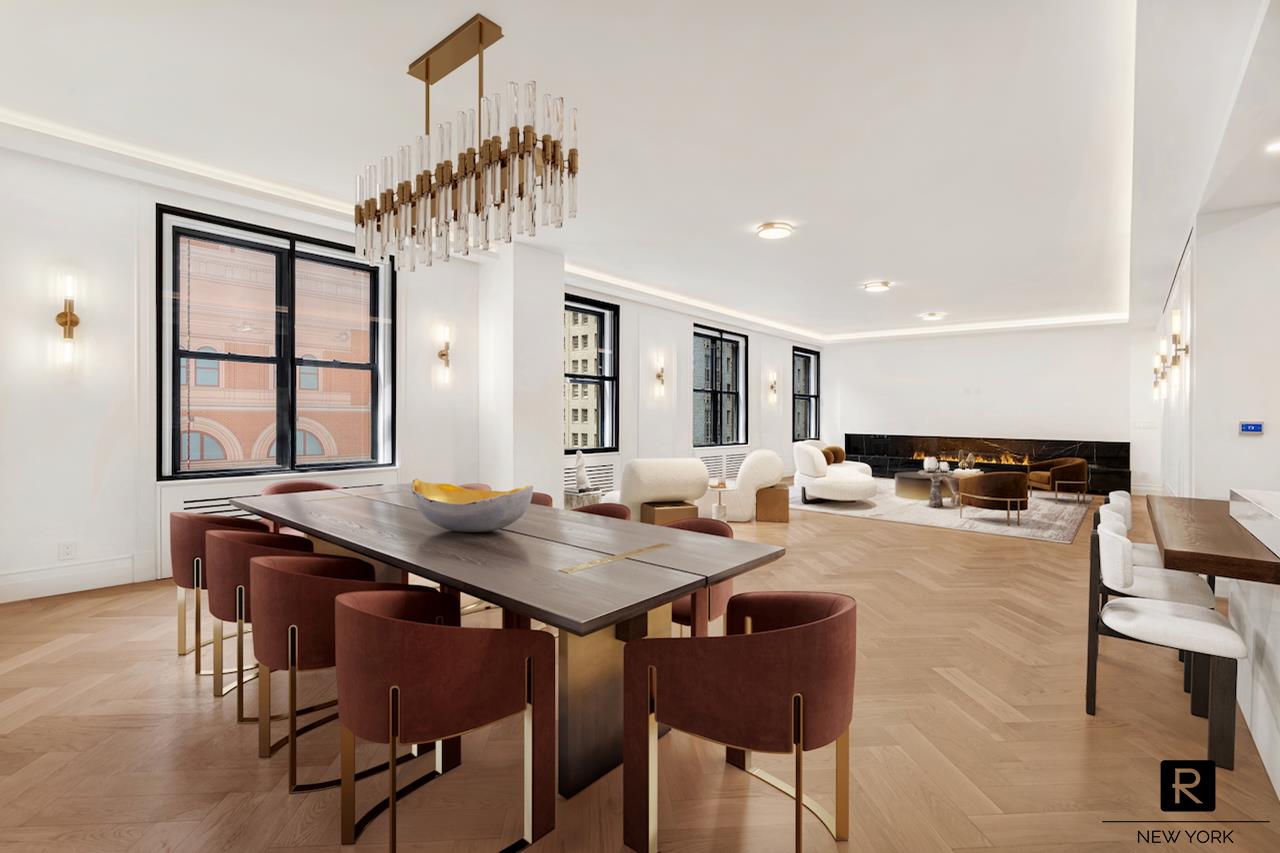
pixel 580 465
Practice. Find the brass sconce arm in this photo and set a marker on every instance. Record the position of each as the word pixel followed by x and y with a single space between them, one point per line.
pixel 68 319
pixel 443 354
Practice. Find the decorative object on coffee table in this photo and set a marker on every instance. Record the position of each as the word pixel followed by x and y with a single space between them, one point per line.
pixel 931 463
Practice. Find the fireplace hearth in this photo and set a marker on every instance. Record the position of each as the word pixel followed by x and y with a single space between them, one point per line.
pixel 889 454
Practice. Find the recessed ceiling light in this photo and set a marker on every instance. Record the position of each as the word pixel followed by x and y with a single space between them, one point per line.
pixel 774 231
pixel 876 286
pixel 933 315
pixel 1274 148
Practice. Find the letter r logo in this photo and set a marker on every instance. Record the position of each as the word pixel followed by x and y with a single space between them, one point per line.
pixel 1188 786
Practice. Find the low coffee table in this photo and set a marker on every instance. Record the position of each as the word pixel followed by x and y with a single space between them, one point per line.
pixel 927 486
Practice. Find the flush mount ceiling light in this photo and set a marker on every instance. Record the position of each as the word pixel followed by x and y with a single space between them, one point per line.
pixel 876 286
pixel 774 231
pixel 1274 148
pixel 470 182
pixel 933 315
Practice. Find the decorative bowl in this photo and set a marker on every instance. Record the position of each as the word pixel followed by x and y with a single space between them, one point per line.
pixel 470 510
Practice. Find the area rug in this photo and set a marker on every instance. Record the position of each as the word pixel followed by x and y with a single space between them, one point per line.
pixel 1045 518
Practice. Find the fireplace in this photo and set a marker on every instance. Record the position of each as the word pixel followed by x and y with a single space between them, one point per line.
pixel 889 454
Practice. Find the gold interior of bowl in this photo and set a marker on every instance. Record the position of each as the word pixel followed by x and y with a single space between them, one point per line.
pixel 448 493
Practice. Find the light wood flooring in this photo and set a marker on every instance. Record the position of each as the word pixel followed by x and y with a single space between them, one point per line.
pixel 969 729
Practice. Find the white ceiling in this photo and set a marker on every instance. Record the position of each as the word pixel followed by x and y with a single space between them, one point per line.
pixel 1245 174
pixel 979 153
pixel 1191 57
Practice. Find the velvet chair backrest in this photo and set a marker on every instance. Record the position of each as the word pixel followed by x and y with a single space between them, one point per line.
pixel 300 591
pixel 739 689
pixel 713 526
pixel 542 499
pixel 451 679
pixel 227 556
pixel 186 540
pixel 997 484
pixel 479 487
pixel 285 487
pixel 606 509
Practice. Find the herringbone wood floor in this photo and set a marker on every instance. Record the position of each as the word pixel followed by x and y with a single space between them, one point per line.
pixel 969 730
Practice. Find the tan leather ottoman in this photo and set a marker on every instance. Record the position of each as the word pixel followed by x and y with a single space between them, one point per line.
pixel 774 504
pixel 664 512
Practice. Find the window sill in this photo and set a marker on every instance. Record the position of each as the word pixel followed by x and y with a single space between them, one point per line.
pixel 259 476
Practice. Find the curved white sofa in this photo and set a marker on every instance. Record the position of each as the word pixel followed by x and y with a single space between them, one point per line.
pixel 646 480
pixel 760 470
pixel 847 481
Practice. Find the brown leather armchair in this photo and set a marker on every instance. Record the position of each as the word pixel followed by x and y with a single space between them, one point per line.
pixel 1006 490
pixel 1064 474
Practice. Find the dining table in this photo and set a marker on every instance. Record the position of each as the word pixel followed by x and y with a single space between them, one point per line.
pixel 600 582
pixel 1200 535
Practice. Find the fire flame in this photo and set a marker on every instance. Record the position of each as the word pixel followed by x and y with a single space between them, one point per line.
pixel 1005 458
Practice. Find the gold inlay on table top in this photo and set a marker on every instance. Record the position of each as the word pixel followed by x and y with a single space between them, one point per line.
pixel 611 558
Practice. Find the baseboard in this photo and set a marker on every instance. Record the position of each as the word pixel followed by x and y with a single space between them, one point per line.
pixel 60 578
pixel 1146 489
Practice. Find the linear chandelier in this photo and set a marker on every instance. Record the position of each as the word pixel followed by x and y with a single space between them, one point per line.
pixel 467 185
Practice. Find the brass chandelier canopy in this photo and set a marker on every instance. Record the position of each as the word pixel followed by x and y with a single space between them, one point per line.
pixel 469 183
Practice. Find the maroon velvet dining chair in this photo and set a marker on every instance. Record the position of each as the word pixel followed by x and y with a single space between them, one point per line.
pixel 186 555
pixel 226 571
pixel 609 510
pixel 293 607
pixel 781 680
pixel 408 676
pixel 479 487
pixel 288 487
pixel 542 499
pixel 705 606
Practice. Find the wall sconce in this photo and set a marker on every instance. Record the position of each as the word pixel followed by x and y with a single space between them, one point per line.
pixel 661 377
pixel 445 356
pixel 67 318
pixel 1180 346
pixel 773 387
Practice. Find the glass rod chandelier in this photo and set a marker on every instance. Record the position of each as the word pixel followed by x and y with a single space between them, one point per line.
pixel 470 183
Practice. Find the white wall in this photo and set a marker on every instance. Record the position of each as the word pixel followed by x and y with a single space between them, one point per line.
pixel 77 446
pixel 1070 383
pixel 1230 300
pixel 657 424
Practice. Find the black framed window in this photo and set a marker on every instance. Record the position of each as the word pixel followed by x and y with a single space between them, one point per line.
pixel 719 387
pixel 806 399
pixel 590 375
pixel 274 351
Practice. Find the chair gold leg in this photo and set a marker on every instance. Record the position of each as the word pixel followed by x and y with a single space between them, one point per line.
pixel 293 707
pixel 348 786
pixel 797 717
pixel 219 685
pixel 528 770
pixel 199 633
pixel 393 741
pixel 264 711
pixel 182 622
pixel 842 787
pixel 239 655
pixel 652 782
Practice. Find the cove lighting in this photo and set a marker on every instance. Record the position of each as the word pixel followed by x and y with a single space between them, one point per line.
pixel 774 231
pixel 1274 148
pixel 876 286
pixel 931 316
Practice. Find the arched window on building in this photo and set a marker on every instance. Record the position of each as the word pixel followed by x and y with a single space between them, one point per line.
pixel 207 369
pixel 308 375
pixel 195 446
pixel 304 443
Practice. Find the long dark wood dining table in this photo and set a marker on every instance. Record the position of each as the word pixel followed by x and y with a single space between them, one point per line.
pixel 600 581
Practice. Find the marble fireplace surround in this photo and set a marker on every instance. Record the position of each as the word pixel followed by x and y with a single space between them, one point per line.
pixel 888 454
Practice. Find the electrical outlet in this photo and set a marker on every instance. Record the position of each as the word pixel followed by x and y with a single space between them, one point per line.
pixel 66 550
